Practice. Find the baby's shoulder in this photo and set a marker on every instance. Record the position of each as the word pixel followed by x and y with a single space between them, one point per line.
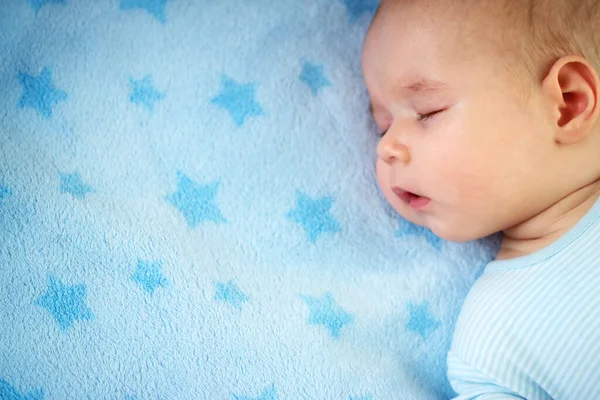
pixel 521 308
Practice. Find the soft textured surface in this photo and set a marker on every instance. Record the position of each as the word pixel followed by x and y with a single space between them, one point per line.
pixel 188 210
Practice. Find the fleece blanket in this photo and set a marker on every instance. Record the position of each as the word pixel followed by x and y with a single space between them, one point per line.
pixel 188 210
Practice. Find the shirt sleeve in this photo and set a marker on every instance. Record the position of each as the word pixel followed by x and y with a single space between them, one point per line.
pixel 469 383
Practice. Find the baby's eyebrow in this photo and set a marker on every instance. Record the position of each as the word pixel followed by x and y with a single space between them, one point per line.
pixel 418 86
pixel 421 85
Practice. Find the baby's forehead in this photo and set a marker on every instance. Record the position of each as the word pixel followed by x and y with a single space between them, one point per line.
pixel 435 51
pixel 468 27
pixel 446 27
pixel 442 16
pixel 467 14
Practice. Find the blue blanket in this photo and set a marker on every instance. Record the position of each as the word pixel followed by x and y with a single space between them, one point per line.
pixel 188 210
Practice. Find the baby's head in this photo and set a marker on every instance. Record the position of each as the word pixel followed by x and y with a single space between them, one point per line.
pixel 489 108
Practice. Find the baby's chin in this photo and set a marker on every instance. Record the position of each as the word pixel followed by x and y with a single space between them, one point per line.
pixel 455 231
pixel 458 232
pixel 456 236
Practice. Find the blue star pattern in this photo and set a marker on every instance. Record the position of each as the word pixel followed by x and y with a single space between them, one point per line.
pixel 246 288
pixel 267 394
pixel 144 93
pixel 4 191
pixel 421 321
pixel 149 276
pixel 230 293
pixel 40 93
pixel 314 77
pixel 410 229
pixel 196 202
pixel 238 99
pixel 72 184
pixel 314 216
pixel 8 392
pixel 66 303
pixel 155 7
pixel 324 311
pixel 356 8
pixel 38 4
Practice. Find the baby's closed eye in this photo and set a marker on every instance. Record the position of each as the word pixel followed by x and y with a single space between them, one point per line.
pixel 426 116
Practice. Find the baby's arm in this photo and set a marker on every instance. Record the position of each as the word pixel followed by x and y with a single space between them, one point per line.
pixel 470 383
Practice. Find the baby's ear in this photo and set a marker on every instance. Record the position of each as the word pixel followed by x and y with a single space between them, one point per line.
pixel 572 87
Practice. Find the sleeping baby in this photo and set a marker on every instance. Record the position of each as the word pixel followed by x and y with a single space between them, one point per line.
pixel 489 117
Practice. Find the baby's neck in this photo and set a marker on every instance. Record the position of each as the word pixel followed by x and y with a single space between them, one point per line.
pixel 549 225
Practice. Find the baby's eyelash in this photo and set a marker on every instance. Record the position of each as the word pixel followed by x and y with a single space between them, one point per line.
pixel 425 117
pixel 420 118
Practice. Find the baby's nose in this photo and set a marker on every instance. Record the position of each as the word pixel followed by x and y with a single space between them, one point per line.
pixel 391 149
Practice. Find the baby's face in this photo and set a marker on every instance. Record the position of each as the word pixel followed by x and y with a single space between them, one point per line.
pixel 459 155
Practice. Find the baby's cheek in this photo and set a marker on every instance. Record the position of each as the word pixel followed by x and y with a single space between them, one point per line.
pixel 460 170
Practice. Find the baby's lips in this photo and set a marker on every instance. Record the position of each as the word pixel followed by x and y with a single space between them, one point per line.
pixel 414 200
pixel 419 202
pixel 404 194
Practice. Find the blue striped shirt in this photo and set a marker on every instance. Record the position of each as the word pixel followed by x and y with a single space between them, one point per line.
pixel 530 326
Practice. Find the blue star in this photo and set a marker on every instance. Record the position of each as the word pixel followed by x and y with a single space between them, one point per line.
pixel 38 4
pixel 410 229
pixel 230 293
pixel 196 202
pixel 66 303
pixel 10 393
pixel 356 8
pixel 4 191
pixel 267 394
pixel 314 216
pixel 421 321
pixel 326 312
pixel 39 93
pixel 149 276
pixel 154 7
pixel 238 99
pixel 314 77
pixel 144 93
pixel 72 183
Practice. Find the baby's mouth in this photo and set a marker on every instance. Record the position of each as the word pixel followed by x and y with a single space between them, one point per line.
pixel 415 201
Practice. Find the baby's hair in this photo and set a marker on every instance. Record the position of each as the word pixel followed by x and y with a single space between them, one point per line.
pixel 550 29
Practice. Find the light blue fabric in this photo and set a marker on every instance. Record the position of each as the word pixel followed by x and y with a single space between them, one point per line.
pixel 530 326
pixel 188 210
